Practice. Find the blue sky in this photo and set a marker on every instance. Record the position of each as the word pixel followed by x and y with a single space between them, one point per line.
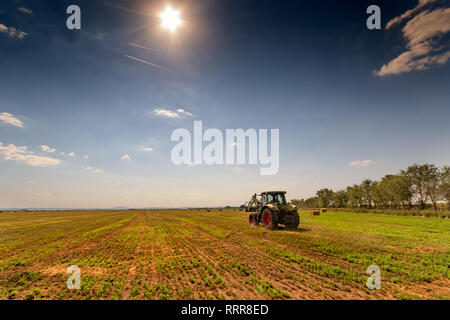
pixel 350 103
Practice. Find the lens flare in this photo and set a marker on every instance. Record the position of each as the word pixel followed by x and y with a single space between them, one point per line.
pixel 170 19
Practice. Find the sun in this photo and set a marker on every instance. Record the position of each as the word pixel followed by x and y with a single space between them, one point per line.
pixel 170 19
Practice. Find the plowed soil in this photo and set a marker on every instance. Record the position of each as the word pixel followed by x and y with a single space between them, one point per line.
pixel 196 254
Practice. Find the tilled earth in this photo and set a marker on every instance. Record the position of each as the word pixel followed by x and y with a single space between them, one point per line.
pixel 196 254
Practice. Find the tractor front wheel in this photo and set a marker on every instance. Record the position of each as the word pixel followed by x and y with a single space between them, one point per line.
pixel 252 220
pixel 270 219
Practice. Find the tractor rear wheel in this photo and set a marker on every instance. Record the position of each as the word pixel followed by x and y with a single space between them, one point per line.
pixel 270 219
pixel 253 220
pixel 292 220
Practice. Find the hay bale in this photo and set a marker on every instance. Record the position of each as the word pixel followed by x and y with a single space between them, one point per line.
pixel 323 210
pixel 315 213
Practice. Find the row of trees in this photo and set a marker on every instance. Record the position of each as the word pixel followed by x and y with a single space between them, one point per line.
pixel 417 186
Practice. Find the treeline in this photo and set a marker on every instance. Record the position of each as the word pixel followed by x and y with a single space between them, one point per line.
pixel 419 187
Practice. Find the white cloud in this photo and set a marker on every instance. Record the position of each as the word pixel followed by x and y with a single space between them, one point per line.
pixel 360 163
pixel 125 157
pixel 47 149
pixel 182 111
pixel 144 148
pixel 70 154
pixel 93 170
pixel 172 114
pixel 13 32
pixel 166 113
pixel 85 156
pixel 25 10
pixel 21 154
pixel 408 13
pixel 8 118
pixel 424 49
pixel 416 58
pixel 427 25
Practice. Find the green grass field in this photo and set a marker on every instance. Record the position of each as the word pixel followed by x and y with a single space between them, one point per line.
pixel 193 254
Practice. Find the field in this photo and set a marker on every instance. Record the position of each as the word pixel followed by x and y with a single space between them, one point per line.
pixel 195 254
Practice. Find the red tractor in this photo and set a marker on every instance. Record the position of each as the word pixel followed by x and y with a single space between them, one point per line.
pixel 270 208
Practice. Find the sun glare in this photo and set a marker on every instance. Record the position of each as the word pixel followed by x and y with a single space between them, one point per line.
pixel 170 19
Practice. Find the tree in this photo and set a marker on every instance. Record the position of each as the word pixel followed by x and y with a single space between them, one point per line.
pixel 405 189
pixel 312 202
pixel 445 184
pixel 308 203
pixel 380 195
pixel 367 189
pixel 432 183
pixel 416 185
pixel 418 174
pixel 392 191
pixel 340 199
pixel 354 196
pixel 325 197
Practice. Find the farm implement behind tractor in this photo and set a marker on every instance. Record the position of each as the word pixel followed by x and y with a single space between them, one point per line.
pixel 271 209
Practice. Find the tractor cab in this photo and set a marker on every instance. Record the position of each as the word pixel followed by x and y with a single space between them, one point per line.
pixel 277 197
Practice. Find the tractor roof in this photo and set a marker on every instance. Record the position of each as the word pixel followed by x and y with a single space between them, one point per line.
pixel 271 192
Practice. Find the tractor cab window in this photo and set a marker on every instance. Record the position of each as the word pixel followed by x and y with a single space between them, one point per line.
pixel 280 198
pixel 273 198
pixel 264 198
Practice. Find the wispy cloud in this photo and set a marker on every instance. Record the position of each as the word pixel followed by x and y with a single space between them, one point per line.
pixel 12 32
pixel 25 10
pixel 360 163
pixel 21 154
pixel 125 157
pixel 166 113
pixel 408 14
pixel 172 113
pixel 423 33
pixel 182 111
pixel 8 118
pixel 144 148
pixel 47 149
pixel 93 170
pixel 69 154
